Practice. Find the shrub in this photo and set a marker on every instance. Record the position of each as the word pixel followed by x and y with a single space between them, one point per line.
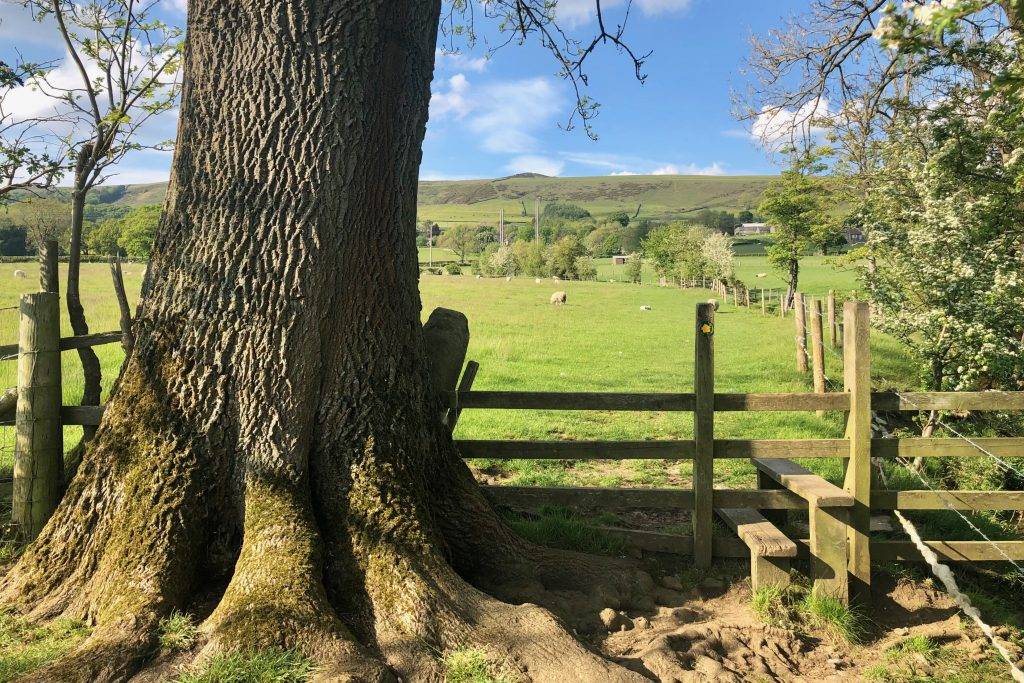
pixel 453 269
pixel 585 268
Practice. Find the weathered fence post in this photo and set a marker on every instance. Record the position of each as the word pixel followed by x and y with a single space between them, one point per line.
pixel 746 297
pixel 764 309
pixel 833 324
pixel 857 380
pixel 49 279
pixel 817 350
pixel 703 434
pixel 801 332
pixel 39 444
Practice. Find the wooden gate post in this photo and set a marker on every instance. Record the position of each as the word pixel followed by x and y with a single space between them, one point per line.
pixel 817 350
pixel 49 278
pixel 801 332
pixel 703 434
pixel 39 444
pixel 857 380
pixel 833 324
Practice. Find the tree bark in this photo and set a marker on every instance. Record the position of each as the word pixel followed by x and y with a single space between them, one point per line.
pixel 91 371
pixel 273 443
pixel 793 281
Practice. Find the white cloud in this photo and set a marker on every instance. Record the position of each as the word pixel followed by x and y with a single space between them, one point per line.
pixel 625 165
pixel 572 13
pixel 453 100
pixel 775 129
pixel 180 5
pixel 504 116
pixel 459 61
pixel 689 169
pixel 532 163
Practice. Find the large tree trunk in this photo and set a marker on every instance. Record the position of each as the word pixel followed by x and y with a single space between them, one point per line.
pixel 273 446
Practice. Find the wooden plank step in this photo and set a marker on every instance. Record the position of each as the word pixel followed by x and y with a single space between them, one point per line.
pixel 761 536
pixel 805 484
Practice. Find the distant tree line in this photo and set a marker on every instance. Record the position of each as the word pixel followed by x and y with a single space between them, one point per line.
pixel 108 229
pixel 565 228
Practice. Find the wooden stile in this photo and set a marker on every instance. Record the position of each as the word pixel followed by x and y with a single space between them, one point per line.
pixel 703 434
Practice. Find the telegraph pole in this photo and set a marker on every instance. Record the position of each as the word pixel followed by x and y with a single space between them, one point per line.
pixel 536 219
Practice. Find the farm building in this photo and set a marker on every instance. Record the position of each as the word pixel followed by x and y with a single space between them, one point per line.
pixel 754 229
pixel 620 259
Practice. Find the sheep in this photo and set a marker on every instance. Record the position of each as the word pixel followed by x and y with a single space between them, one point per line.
pixel 558 298
pixel 508 278
pixel 645 307
pixel 479 276
pixel 537 281
pixel 714 303
pixel 762 274
pixel 556 278
pixel 20 273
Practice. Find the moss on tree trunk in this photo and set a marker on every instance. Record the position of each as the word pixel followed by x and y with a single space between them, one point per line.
pixel 272 441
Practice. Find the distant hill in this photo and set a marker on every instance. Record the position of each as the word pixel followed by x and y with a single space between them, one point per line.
pixel 451 201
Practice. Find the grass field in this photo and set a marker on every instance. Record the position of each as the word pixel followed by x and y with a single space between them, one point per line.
pixel 600 341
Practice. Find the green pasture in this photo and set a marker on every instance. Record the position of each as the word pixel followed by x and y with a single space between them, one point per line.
pixel 600 341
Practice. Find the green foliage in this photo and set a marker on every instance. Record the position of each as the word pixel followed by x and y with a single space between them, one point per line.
pixel 177 632
pixel 605 240
pixel 795 205
pixel 102 238
pixel 25 647
pixel 683 252
pixel 620 217
pixel 563 255
pixel 946 224
pixel 795 607
pixel 252 666
pixel 463 239
pixel 634 268
pixel 585 268
pixel 556 212
pixel 558 527
pixel 472 665
pixel 138 228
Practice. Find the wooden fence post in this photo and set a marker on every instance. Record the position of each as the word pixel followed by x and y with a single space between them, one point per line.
pixel 764 309
pixel 817 350
pixel 857 381
pixel 39 445
pixel 746 297
pixel 801 332
pixel 703 434
pixel 49 279
pixel 833 324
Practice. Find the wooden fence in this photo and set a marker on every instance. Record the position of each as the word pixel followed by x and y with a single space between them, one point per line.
pixel 839 548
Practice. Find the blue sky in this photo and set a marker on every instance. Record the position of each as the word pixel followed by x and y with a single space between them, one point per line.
pixel 498 116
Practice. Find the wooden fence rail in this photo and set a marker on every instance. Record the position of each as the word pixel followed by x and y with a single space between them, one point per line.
pixel 840 521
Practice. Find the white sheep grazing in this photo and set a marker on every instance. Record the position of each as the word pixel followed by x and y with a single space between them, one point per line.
pixel 537 281
pixel 479 276
pixel 713 302
pixel 508 278
pixel 645 307
pixel 556 278
pixel 762 274
pixel 558 298
pixel 20 273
